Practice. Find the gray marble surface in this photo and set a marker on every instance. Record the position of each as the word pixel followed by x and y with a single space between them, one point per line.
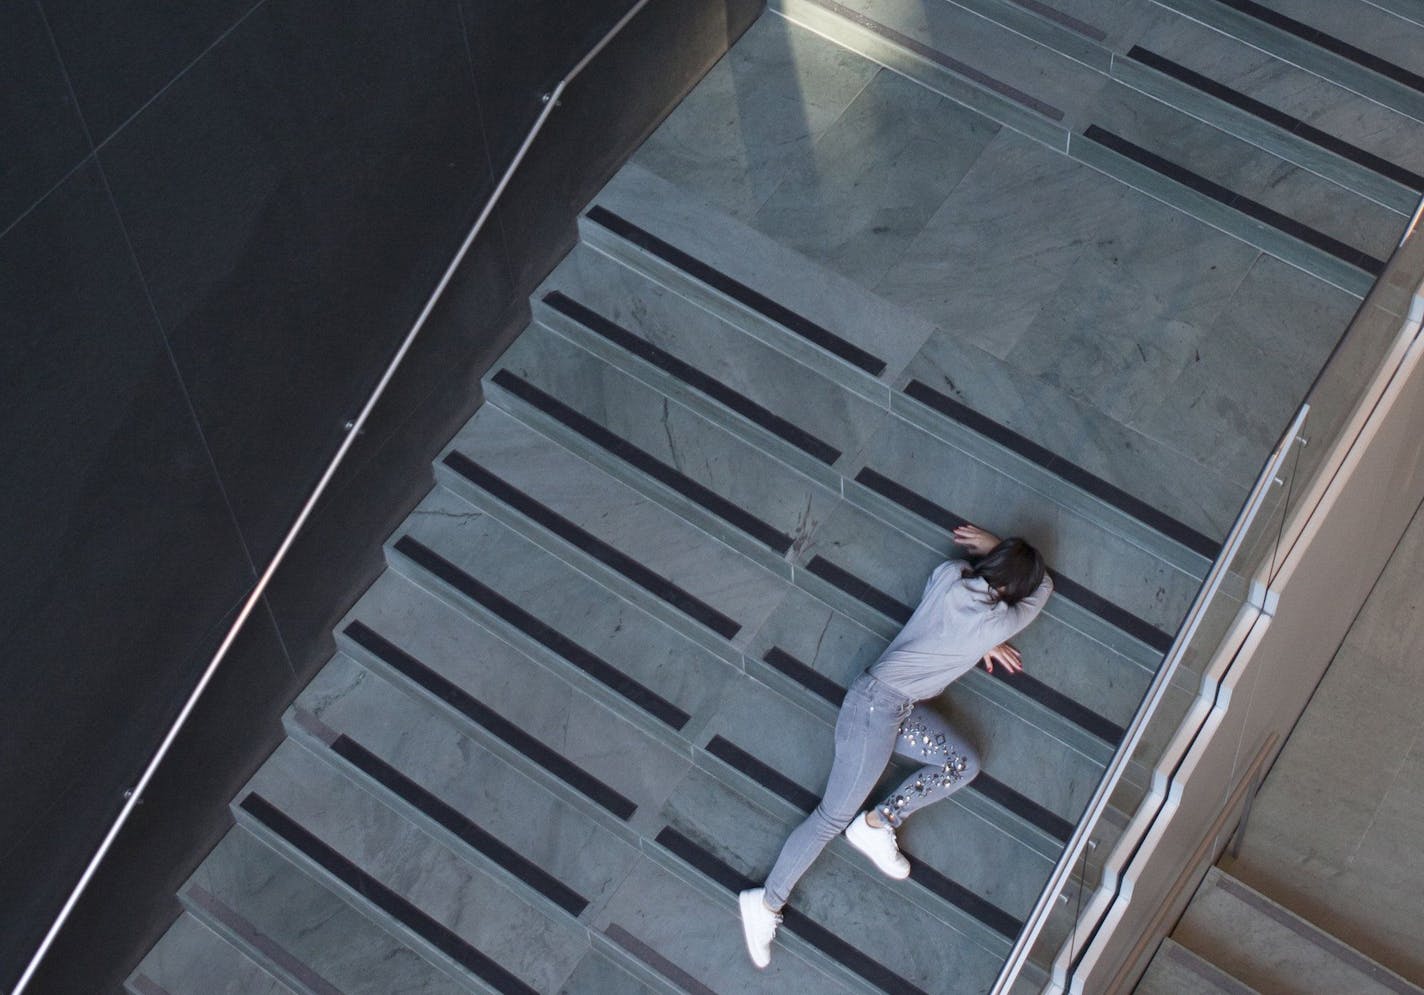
pixel 561 713
pixel 516 809
pixel 1248 170
pixel 700 935
pixel 491 915
pixel 837 894
pixel 1333 108
pixel 613 512
pixel 877 176
pixel 756 115
pixel 313 924
pixel 681 213
pixel 1254 939
pixel 1373 27
pixel 190 959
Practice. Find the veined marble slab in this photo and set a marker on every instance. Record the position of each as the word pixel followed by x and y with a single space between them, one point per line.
pixel 756 115
pixel 1316 99
pixel 563 715
pixel 190 959
pixel 850 901
pixel 325 933
pixel 568 843
pixel 484 912
pixel 877 176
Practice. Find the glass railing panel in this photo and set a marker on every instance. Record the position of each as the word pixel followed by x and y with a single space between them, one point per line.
pixel 1236 591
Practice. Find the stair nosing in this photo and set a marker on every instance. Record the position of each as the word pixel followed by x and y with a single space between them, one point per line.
pixel 973 443
pixel 408 935
pixel 314 740
pixel 1146 654
pixel 197 907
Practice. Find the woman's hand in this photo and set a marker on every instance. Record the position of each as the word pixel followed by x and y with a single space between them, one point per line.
pixel 978 541
pixel 1005 656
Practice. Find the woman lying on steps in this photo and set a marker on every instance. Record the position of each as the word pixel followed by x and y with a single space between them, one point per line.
pixel 968 612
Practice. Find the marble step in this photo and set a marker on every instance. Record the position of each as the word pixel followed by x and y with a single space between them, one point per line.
pixel 454 904
pixel 675 353
pixel 663 565
pixel 730 843
pixel 345 698
pixel 1175 970
pixel 955 39
pixel 303 931
pixel 360 714
pixel 191 959
pixel 1113 685
pixel 1116 47
pixel 1053 445
pixel 1009 824
pixel 1286 195
pixel 1317 107
pixel 1355 44
pixel 1270 948
pixel 952 51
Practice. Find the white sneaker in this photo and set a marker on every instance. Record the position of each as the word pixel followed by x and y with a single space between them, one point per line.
pixel 879 845
pixel 758 925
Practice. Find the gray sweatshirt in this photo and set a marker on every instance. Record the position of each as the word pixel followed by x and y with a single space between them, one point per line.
pixel 951 630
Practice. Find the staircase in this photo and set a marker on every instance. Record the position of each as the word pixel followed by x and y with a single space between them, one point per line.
pixel 1233 940
pixel 1061 269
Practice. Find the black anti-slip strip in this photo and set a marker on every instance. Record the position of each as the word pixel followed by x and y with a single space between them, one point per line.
pixel 996 791
pixel 546 635
pixel 793 919
pixel 644 461
pixel 456 822
pixel 952 892
pixel 1058 702
pixel 444 939
pixel 740 292
pixel 1251 208
pixel 808 677
pixel 1071 472
pixel 1025 808
pixel 1328 42
pixel 497 725
pixel 765 775
pixel 1280 119
pixel 693 377
pixel 961 897
pixel 652 582
pixel 859 589
pixel 1100 606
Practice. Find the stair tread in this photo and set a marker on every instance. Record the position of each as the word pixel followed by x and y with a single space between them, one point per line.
pixel 190 959
pixel 474 909
pixel 1267 946
pixel 1175 970
pixel 1030 407
pixel 417 631
pixel 608 296
pixel 577 484
pixel 324 942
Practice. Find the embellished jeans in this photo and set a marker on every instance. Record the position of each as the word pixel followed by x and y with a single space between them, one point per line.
pixel 875 722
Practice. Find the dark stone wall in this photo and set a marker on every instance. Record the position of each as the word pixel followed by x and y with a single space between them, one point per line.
pixel 217 222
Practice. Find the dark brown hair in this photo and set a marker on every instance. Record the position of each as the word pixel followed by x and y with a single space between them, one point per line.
pixel 1013 570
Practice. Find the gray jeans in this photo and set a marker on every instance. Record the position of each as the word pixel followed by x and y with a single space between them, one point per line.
pixel 874 722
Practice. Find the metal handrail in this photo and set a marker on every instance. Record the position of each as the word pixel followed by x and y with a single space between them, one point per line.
pixel 1079 840
pixel 1121 760
pixel 134 795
